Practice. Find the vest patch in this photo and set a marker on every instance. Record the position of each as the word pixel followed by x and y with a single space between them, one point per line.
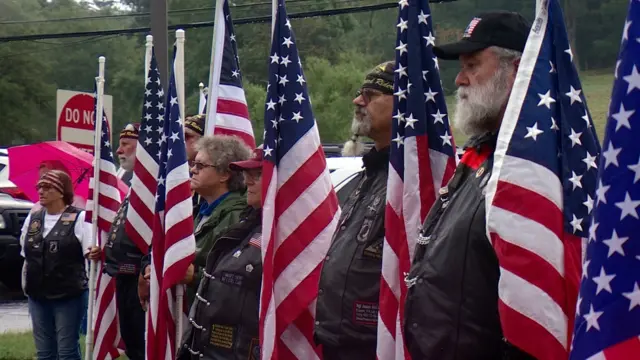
pixel 373 251
pixel 231 278
pixel 222 336
pixel 254 349
pixel 35 227
pixel 68 217
pixel 365 313
pixel 256 241
pixel 53 247
pixel 129 269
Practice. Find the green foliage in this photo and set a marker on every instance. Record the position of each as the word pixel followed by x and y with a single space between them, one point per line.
pixel 336 52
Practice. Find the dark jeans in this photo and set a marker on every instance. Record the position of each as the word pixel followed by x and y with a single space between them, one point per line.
pixel 131 316
pixel 85 302
pixel 56 327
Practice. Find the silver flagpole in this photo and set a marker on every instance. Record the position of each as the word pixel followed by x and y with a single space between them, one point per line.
pixel 94 219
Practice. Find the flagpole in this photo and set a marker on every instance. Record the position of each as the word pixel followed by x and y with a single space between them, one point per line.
pixel 147 56
pixel 274 13
pixel 215 67
pixel 94 217
pixel 202 102
pixel 180 86
pixel 147 64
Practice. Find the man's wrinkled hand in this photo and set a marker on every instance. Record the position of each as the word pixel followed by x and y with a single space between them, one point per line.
pixel 94 253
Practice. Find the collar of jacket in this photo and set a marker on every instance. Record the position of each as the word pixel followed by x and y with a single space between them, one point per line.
pixel 490 138
pixel 206 209
pixel 376 160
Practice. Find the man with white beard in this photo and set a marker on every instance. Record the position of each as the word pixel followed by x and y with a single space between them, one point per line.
pixel 347 307
pixel 451 309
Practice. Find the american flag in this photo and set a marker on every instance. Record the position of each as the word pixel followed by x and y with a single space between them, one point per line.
pixel 232 114
pixel 173 241
pixel 140 214
pixel 421 159
pixel 540 194
pixel 300 207
pixel 608 312
pixel 104 320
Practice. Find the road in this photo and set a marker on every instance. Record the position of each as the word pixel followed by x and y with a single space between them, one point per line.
pixel 14 314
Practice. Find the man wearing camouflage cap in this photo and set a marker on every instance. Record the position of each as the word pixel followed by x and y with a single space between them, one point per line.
pixel 347 307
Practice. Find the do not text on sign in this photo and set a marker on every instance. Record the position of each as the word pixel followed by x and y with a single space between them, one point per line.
pixel 75 119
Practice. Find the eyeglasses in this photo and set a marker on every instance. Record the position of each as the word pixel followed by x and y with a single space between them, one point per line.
pixel 44 187
pixel 368 95
pixel 199 166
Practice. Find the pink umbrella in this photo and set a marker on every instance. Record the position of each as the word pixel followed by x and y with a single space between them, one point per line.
pixel 25 162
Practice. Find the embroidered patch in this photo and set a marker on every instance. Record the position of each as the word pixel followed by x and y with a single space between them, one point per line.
pixel 35 227
pixel 256 241
pixel 222 336
pixel 68 217
pixel 363 234
pixel 129 269
pixel 472 25
pixel 248 268
pixel 53 247
pixel 480 172
pixel 237 254
pixel 254 349
pixel 373 251
pixel 365 313
pixel 231 278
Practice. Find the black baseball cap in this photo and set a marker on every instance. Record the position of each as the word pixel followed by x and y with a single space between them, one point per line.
pixel 505 29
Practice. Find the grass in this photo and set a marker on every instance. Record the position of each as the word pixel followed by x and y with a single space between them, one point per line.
pixel 596 87
pixel 20 346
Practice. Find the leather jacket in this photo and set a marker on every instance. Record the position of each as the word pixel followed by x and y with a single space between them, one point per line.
pixel 451 309
pixel 223 320
pixel 347 306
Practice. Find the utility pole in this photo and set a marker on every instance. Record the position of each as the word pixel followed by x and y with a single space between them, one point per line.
pixel 159 30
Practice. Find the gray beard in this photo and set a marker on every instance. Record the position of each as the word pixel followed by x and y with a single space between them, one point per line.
pixel 478 109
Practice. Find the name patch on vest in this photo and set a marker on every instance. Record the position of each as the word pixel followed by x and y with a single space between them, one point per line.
pixel 365 313
pixel 129 269
pixel 222 336
pixel 254 349
pixel 231 278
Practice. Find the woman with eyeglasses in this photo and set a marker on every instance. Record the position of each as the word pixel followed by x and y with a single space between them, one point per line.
pixel 55 241
pixel 223 321
pixel 224 196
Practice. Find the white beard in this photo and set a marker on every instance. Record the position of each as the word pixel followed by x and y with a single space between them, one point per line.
pixel 478 108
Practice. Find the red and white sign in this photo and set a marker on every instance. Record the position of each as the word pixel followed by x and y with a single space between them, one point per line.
pixel 75 120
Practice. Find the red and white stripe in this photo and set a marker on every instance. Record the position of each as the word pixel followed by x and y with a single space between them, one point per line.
pixel 173 252
pixel 104 320
pixel 232 116
pixel 408 203
pixel 142 199
pixel 300 214
pixel 540 262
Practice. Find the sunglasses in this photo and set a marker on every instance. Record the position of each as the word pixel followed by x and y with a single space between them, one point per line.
pixel 44 187
pixel 199 166
pixel 368 95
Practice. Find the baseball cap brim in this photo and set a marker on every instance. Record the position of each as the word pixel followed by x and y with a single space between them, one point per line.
pixel 454 50
pixel 250 164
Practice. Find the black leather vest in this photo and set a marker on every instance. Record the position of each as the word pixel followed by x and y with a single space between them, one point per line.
pixel 349 288
pixel 122 255
pixel 55 263
pixel 224 315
